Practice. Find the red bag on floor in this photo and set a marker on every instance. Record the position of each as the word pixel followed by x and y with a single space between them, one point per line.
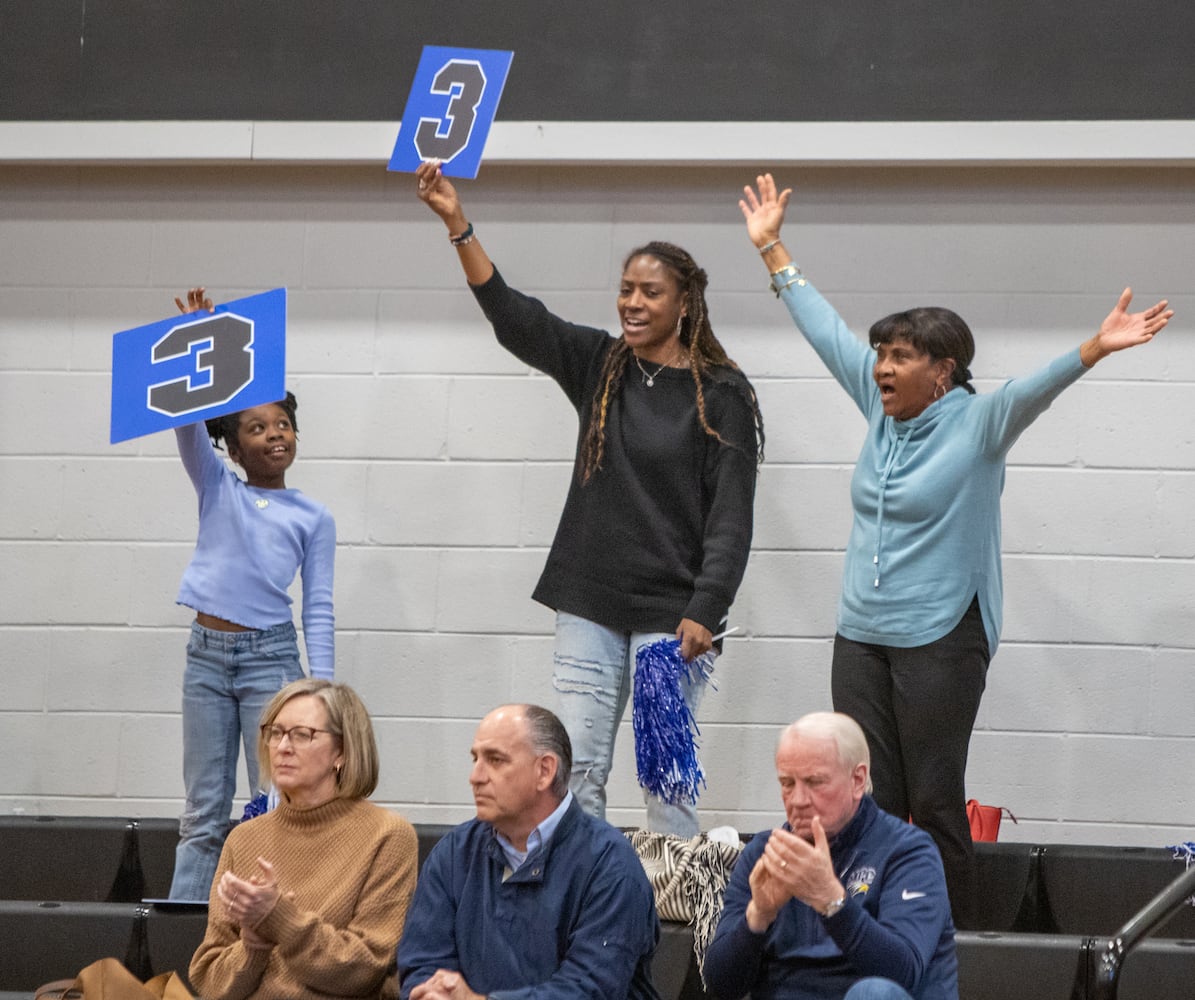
pixel 985 820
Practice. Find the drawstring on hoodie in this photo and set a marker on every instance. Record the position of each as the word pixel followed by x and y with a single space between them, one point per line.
pixel 894 454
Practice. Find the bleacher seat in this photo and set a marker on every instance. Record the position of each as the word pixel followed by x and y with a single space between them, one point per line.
pixel 171 937
pixel 1004 873
pixel 156 843
pixel 70 895
pixel 1094 890
pixel 1159 969
pixel 53 940
pixel 67 858
pixel 429 835
pixel 996 966
pixel 673 957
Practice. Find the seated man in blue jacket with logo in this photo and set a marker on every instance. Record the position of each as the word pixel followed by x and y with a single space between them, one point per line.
pixel 534 897
pixel 843 902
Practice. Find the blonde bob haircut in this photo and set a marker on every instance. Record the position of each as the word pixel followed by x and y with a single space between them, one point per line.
pixel 348 721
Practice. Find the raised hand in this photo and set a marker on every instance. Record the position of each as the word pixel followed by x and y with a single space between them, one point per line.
pixel 435 190
pixel 764 210
pixel 1121 328
pixel 196 299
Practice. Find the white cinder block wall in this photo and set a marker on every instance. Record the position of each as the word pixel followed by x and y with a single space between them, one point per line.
pixel 445 463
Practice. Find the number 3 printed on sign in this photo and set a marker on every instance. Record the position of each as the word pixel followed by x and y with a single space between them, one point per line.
pixel 450 109
pixel 442 139
pixel 223 364
pixel 179 371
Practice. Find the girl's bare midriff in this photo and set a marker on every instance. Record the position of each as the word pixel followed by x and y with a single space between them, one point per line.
pixel 219 624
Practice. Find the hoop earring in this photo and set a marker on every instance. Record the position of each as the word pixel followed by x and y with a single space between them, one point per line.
pixel 939 392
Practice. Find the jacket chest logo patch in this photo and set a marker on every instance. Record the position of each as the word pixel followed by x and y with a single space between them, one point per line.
pixel 860 880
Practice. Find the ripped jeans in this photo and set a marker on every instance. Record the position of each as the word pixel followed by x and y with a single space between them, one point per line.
pixel 594 667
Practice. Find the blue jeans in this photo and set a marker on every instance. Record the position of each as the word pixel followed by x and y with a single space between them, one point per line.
pixel 876 988
pixel 230 678
pixel 594 667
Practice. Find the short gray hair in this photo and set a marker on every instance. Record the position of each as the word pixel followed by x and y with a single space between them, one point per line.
pixel 846 733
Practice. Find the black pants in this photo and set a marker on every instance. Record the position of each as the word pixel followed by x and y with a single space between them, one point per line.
pixel 917 707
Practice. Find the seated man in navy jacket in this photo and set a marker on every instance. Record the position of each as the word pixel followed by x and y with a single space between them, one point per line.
pixel 533 897
pixel 844 900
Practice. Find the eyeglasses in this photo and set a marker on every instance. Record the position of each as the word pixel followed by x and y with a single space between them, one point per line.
pixel 300 736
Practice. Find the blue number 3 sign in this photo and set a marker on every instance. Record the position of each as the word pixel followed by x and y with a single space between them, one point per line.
pixel 450 109
pixel 187 369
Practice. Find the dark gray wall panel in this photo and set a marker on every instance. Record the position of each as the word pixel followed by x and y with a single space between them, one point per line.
pixel 853 60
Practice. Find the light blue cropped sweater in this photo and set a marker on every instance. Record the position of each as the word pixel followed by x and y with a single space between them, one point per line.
pixel 251 542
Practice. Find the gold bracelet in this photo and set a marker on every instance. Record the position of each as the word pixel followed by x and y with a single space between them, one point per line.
pixel 790 271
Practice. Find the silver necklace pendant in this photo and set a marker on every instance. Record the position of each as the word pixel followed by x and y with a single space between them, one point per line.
pixel 649 379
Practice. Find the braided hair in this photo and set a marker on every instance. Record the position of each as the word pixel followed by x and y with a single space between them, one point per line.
pixel 697 336
pixel 227 427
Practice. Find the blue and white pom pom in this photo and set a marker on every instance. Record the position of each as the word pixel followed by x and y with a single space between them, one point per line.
pixel 665 730
pixel 1184 852
pixel 261 804
pixel 256 806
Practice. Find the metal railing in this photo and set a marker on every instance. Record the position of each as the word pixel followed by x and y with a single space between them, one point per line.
pixel 1105 967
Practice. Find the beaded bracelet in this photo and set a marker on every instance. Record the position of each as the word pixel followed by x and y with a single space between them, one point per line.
pixel 464 238
pixel 790 271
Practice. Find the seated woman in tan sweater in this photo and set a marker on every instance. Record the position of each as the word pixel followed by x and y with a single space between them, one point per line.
pixel 310 899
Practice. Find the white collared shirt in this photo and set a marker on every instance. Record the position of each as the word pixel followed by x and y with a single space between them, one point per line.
pixel 536 838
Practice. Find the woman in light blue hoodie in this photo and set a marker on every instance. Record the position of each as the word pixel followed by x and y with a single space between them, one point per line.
pixel 922 599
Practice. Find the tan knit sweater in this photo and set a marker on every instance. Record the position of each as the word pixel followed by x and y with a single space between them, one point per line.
pixel 346 871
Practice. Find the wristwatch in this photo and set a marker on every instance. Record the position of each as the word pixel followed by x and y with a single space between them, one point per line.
pixel 834 907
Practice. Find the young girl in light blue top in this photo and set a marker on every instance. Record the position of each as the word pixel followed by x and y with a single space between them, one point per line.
pixel 922 597
pixel 254 535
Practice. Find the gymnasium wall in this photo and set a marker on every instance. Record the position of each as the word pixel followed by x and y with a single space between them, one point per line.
pixel 445 462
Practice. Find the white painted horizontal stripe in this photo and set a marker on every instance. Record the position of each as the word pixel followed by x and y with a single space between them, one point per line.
pixel 1096 143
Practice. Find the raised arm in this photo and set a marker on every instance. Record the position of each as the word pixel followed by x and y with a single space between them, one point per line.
pixel 764 211
pixel 1121 329
pixel 194 445
pixel 1011 409
pixel 848 358
pixel 435 190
